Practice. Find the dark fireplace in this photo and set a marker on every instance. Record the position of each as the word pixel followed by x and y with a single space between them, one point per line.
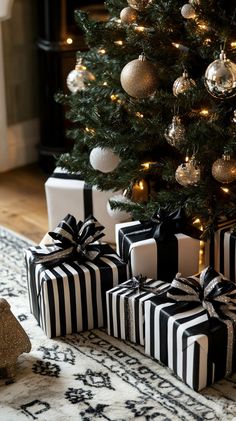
pixel 56 59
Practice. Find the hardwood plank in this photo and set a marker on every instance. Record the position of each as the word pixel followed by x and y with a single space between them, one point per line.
pixel 23 203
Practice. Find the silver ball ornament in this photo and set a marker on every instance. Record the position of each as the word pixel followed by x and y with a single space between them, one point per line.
pixel 183 84
pixel 220 78
pixel 104 159
pixel 224 169
pixel 188 174
pixel 76 78
pixel 139 78
pixel 175 132
pixel 188 11
pixel 128 15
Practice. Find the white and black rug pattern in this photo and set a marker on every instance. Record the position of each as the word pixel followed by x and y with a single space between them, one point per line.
pixel 92 376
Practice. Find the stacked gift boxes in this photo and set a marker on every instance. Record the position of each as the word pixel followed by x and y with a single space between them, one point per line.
pixel 68 193
pixel 68 294
pixel 220 251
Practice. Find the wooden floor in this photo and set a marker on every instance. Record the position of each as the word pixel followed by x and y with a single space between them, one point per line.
pixel 23 203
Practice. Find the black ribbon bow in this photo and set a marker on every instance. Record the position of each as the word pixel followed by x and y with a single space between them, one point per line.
pixel 214 292
pixel 165 224
pixel 72 241
pixel 139 283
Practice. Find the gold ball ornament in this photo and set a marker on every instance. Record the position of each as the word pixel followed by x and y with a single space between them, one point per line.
pixel 224 169
pixel 188 11
pixel 188 173
pixel 183 84
pixel 139 5
pixel 128 15
pixel 76 78
pixel 175 132
pixel 220 78
pixel 139 78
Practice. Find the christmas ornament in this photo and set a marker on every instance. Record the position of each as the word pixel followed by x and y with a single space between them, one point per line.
pixel 224 169
pixel 76 78
pixel 139 191
pixel 128 15
pixel 139 5
pixel 139 78
pixel 175 132
pixel 220 78
pixel 194 2
pixel 188 173
pixel 183 84
pixel 188 11
pixel 234 117
pixel 117 214
pixel 103 159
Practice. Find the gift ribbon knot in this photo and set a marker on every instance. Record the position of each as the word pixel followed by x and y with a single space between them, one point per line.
pixel 72 240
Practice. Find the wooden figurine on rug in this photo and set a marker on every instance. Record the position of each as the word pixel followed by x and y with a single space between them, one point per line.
pixel 13 342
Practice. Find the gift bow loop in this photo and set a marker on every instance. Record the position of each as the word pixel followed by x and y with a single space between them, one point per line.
pixel 216 293
pixel 165 224
pixel 72 240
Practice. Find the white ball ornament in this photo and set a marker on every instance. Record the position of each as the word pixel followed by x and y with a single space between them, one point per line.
pixel 117 214
pixel 188 11
pixel 104 159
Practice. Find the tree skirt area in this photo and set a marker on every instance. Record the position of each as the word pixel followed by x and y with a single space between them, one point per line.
pixel 90 375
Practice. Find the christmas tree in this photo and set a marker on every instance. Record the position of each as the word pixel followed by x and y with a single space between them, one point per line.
pixel 153 106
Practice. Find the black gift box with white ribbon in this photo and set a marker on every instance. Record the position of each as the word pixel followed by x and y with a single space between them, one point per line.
pixel 190 337
pixel 67 285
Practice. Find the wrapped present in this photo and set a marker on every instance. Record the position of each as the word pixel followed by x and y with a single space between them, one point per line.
pixel 125 307
pixel 160 247
pixel 67 281
pixel 68 193
pixel 220 251
pixel 192 328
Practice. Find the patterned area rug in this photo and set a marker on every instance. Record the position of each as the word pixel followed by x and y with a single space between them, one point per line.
pixel 92 376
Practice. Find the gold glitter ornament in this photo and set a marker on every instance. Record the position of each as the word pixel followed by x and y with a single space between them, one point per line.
pixel 188 173
pixel 188 11
pixel 76 78
pixel 128 15
pixel 220 78
pixel 14 341
pixel 183 84
pixel 139 5
pixel 139 78
pixel 224 169
pixel 175 132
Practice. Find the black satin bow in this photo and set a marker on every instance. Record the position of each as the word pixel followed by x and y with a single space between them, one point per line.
pixel 214 292
pixel 139 283
pixel 72 241
pixel 165 224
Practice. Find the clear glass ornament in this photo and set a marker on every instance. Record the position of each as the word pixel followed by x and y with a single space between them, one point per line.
pixel 183 84
pixel 224 169
pixel 175 132
pixel 76 78
pixel 220 78
pixel 188 173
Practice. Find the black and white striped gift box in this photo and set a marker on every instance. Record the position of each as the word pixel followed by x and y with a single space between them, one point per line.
pixel 221 250
pixel 154 259
pixel 182 337
pixel 125 310
pixel 71 297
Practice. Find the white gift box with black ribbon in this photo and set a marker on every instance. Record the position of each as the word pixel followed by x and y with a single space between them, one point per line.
pixel 190 339
pixel 68 280
pixel 125 308
pixel 220 251
pixel 68 193
pixel 154 259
